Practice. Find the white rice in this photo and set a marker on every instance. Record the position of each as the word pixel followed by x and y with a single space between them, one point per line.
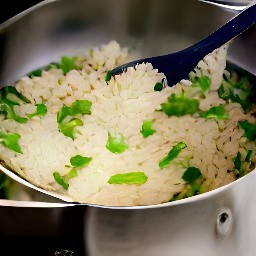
pixel 120 108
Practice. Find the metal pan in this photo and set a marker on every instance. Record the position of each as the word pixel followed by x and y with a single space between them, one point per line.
pixel 220 222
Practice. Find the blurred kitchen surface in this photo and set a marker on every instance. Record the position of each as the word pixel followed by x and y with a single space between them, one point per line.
pixel 13 7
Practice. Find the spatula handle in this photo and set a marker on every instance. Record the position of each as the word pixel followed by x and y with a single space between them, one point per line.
pixel 231 29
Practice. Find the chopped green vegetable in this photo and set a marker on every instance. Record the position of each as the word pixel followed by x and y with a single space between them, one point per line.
pixel 237 161
pixel 9 97
pixel 68 129
pixel 60 180
pixel 63 114
pixel 240 92
pixel 78 107
pixel 81 107
pixel 72 174
pixel 147 129
pixel 80 161
pixel 204 82
pixel 238 165
pixel 249 130
pixel 39 72
pixel 65 117
pixel 116 144
pixel 190 190
pixel 158 87
pixel 12 96
pixel 41 110
pixel 130 178
pixel 68 63
pixel 63 180
pixel 217 112
pixel 248 156
pixel 194 185
pixel 179 106
pixel 172 154
pixel 108 76
pixel 242 163
pixel 77 162
pixel 191 174
pixel 8 111
pixel 11 141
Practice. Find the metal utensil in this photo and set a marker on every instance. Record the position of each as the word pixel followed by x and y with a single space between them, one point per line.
pixel 176 66
pixel 236 5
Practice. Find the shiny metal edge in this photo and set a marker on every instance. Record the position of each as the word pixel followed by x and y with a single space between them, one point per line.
pixel 189 200
pixel 46 2
pixel 226 6
pixel 28 184
pixel 32 204
pixel 25 12
pixel 204 196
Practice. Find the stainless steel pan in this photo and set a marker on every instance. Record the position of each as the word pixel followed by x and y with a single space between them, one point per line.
pixel 220 222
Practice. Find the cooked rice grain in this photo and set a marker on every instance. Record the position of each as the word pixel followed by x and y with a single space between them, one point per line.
pixel 120 108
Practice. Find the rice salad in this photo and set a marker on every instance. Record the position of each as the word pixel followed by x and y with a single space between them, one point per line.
pixel 128 139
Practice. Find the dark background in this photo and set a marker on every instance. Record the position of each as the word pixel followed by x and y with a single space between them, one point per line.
pixel 11 8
